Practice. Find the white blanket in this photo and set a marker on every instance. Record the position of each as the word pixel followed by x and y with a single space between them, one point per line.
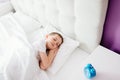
pixel 19 58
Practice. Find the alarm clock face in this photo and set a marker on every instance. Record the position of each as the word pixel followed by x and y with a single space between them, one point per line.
pixel 87 73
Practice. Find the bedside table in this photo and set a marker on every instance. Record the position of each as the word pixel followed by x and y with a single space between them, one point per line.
pixel 106 63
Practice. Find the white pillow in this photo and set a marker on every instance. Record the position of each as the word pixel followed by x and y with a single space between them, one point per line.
pixel 65 50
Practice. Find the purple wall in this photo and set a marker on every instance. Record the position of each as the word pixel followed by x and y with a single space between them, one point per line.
pixel 111 34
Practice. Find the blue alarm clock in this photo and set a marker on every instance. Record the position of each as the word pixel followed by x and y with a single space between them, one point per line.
pixel 89 71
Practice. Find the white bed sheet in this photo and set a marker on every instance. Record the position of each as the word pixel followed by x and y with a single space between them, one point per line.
pixel 17 53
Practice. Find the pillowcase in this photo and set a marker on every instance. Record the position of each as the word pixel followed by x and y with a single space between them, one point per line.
pixel 65 50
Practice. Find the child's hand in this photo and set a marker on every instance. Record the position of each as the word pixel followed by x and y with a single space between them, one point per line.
pixel 53 50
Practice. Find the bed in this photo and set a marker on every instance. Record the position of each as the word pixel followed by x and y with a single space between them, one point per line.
pixel 28 20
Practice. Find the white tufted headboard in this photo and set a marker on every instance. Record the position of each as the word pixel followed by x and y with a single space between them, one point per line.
pixel 80 19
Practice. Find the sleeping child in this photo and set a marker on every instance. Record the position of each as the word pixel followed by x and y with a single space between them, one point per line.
pixel 48 48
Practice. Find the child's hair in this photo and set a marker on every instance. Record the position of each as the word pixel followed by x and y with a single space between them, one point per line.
pixel 55 33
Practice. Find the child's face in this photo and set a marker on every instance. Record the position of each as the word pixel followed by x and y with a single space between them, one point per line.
pixel 53 41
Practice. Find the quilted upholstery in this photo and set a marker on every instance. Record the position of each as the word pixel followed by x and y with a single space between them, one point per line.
pixel 80 19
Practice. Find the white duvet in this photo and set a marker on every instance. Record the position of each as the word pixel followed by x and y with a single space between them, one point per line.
pixel 17 55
